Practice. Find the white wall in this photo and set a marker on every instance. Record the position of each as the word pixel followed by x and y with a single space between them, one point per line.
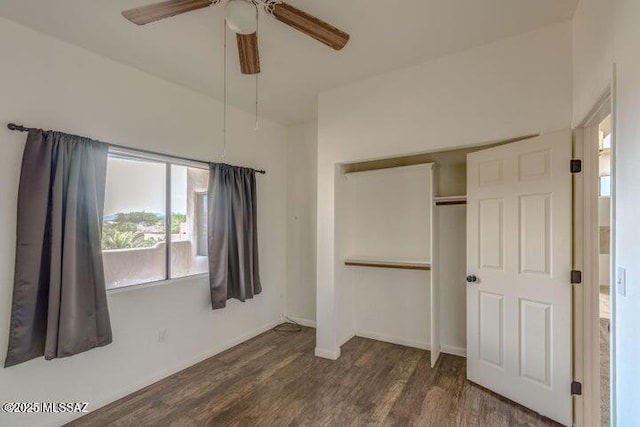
pixel 627 187
pixel 393 305
pixel 592 54
pixel 390 220
pixel 608 32
pixel 513 87
pixel 392 208
pixel 345 217
pixel 302 158
pixel 47 83
pixel 452 221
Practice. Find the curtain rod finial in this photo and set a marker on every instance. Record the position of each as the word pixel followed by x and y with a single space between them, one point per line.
pixel 13 126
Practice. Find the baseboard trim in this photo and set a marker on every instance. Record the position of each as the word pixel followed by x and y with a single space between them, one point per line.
pixel 347 339
pixel 456 351
pixel 304 322
pixel 328 354
pixel 444 348
pixel 393 340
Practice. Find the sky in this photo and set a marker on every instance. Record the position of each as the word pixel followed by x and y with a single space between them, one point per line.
pixel 134 185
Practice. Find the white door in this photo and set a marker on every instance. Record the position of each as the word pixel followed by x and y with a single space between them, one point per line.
pixel 519 250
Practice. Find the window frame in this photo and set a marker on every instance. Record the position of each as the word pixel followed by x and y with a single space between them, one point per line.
pixel 202 200
pixel 168 161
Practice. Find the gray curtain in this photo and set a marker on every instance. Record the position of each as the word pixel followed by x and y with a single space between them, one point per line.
pixel 233 234
pixel 59 299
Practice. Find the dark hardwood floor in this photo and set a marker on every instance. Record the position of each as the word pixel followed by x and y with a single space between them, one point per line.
pixel 275 380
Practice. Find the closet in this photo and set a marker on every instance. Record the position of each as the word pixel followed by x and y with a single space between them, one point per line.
pixel 401 234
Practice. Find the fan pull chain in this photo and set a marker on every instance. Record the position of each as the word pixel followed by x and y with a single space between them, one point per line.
pixel 224 109
pixel 257 123
pixel 257 32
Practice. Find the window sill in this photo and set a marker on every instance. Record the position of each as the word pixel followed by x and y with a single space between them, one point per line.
pixel 166 282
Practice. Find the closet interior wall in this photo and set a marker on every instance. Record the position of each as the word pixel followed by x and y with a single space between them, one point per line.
pixel 394 305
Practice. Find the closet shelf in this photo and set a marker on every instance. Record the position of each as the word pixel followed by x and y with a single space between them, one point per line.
pixel 450 200
pixel 388 263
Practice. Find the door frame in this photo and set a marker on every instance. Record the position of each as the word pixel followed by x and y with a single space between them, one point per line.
pixel 586 333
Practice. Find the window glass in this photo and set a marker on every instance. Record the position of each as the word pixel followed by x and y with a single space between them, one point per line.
pixel 605 186
pixel 188 221
pixel 133 230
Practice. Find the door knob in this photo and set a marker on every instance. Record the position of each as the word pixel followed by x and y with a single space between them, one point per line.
pixel 472 278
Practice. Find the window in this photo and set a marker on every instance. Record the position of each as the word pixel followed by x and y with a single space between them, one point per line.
pixel 605 141
pixel 604 158
pixel 605 186
pixel 152 227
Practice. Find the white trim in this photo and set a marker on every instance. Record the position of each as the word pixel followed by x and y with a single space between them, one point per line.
pixel 347 339
pixel 428 166
pixel 456 351
pixel 450 198
pixel 138 154
pixel 587 351
pixel 304 322
pixel 423 345
pixel 600 111
pixel 435 327
pixel 586 316
pixel 612 260
pixel 163 282
pixel 578 345
pixel 328 354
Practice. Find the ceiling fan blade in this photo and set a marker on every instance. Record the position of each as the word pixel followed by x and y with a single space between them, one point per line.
pixel 166 9
pixel 249 55
pixel 310 25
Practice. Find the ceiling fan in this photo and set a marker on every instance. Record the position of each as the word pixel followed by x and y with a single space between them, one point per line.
pixel 241 18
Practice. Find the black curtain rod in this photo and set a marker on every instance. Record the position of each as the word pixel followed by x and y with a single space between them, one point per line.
pixel 20 128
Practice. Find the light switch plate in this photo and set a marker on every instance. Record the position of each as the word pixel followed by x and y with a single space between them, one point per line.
pixel 621 281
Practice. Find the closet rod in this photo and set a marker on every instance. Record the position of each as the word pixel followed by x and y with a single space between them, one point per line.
pixel 451 202
pixel 20 128
pixel 388 264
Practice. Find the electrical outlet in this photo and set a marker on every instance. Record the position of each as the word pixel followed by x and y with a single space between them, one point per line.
pixel 162 335
pixel 621 281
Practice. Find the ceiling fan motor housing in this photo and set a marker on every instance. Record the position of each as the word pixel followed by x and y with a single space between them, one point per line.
pixel 241 16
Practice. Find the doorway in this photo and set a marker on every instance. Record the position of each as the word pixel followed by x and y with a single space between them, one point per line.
pixel 604 264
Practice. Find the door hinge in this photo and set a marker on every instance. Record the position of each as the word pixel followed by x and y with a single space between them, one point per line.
pixel 576 388
pixel 576 277
pixel 576 166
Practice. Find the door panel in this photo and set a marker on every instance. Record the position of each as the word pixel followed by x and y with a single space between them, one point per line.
pixel 491 232
pixel 491 332
pixel 535 233
pixel 519 247
pixel 535 341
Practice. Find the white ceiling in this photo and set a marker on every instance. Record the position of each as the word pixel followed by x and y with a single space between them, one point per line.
pixel 385 35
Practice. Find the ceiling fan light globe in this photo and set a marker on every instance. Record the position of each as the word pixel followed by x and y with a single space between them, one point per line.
pixel 241 16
